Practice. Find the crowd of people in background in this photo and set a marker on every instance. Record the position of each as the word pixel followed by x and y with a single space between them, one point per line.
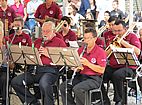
pixel 83 21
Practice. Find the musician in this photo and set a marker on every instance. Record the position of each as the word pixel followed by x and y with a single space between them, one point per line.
pixel 99 41
pixel 115 72
pixel 66 32
pixel 19 35
pixel 7 12
pixel 3 67
pixel 93 68
pixel 45 75
pixel 48 9
pixel 109 35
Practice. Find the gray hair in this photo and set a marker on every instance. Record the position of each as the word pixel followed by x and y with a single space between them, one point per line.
pixel 52 24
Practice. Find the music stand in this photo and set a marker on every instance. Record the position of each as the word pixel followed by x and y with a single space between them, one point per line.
pixel 70 55
pixel 31 55
pixel 27 56
pixel 125 56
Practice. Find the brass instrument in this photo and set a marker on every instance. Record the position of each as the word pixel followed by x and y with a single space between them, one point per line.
pixel 6 27
pixel 1 30
pixel 58 27
pixel 101 30
pixel 116 41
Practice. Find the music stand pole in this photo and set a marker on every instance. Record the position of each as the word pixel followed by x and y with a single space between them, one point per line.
pixel 66 69
pixel 7 80
pixel 25 82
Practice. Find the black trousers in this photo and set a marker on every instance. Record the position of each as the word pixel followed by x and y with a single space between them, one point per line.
pixel 45 79
pixel 117 76
pixel 81 84
pixel 3 80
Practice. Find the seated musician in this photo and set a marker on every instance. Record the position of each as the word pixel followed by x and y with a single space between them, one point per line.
pixel 99 41
pixel 115 72
pixel 14 38
pixel 45 75
pixel 109 35
pixel 66 32
pixel 19 36
pixel 3 67
pixel 49 9
pixel 90 77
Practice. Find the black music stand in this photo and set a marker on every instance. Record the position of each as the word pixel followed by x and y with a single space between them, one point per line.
pixel 67 57
pixel 125 56
pixel 27 56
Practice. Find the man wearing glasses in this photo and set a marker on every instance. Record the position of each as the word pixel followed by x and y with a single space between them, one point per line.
pixel 94 62
pixel 45 75
pixel 116 72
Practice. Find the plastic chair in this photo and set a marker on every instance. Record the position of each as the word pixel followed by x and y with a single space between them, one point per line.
pixel 88 95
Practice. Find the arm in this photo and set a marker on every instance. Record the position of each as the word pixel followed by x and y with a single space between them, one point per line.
pixel 96 68
pixel 127 45
pixel 25 14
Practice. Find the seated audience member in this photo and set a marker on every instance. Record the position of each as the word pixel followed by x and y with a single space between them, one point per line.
pixel 45 75
pixel 31 9
pixel 105 21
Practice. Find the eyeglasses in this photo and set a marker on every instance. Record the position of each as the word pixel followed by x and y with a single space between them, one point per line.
pixel 117 30
pixel 87 38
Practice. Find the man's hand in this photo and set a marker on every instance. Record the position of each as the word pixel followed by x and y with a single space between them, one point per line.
pixel 43 51
pixel 84 61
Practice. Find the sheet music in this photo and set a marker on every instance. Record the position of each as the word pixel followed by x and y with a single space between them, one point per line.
pixel 121 54
pixel 73 44
pixel 70 56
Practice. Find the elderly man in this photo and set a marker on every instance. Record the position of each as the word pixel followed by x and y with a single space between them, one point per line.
pixel 45 75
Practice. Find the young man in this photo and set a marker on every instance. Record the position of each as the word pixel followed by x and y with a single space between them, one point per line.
pixel 91 76
pixel 45 75
pixel 19 36
pixel 115 72
pixel 15 38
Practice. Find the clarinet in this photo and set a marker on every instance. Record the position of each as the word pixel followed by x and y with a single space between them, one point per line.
pixel 43 40
pixel 81 55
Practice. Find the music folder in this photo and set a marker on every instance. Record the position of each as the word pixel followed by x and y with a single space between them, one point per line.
pixel 31 55
pixel 70 55
pixel 126 55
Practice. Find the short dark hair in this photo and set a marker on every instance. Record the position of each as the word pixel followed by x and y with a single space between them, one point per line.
pixel 118 22
pixel 91 30
pixel 107 12
pixel 67 19
pixel 112 18
pixel 19 18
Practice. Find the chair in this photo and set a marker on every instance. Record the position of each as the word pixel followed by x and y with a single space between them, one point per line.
pixel 88 95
